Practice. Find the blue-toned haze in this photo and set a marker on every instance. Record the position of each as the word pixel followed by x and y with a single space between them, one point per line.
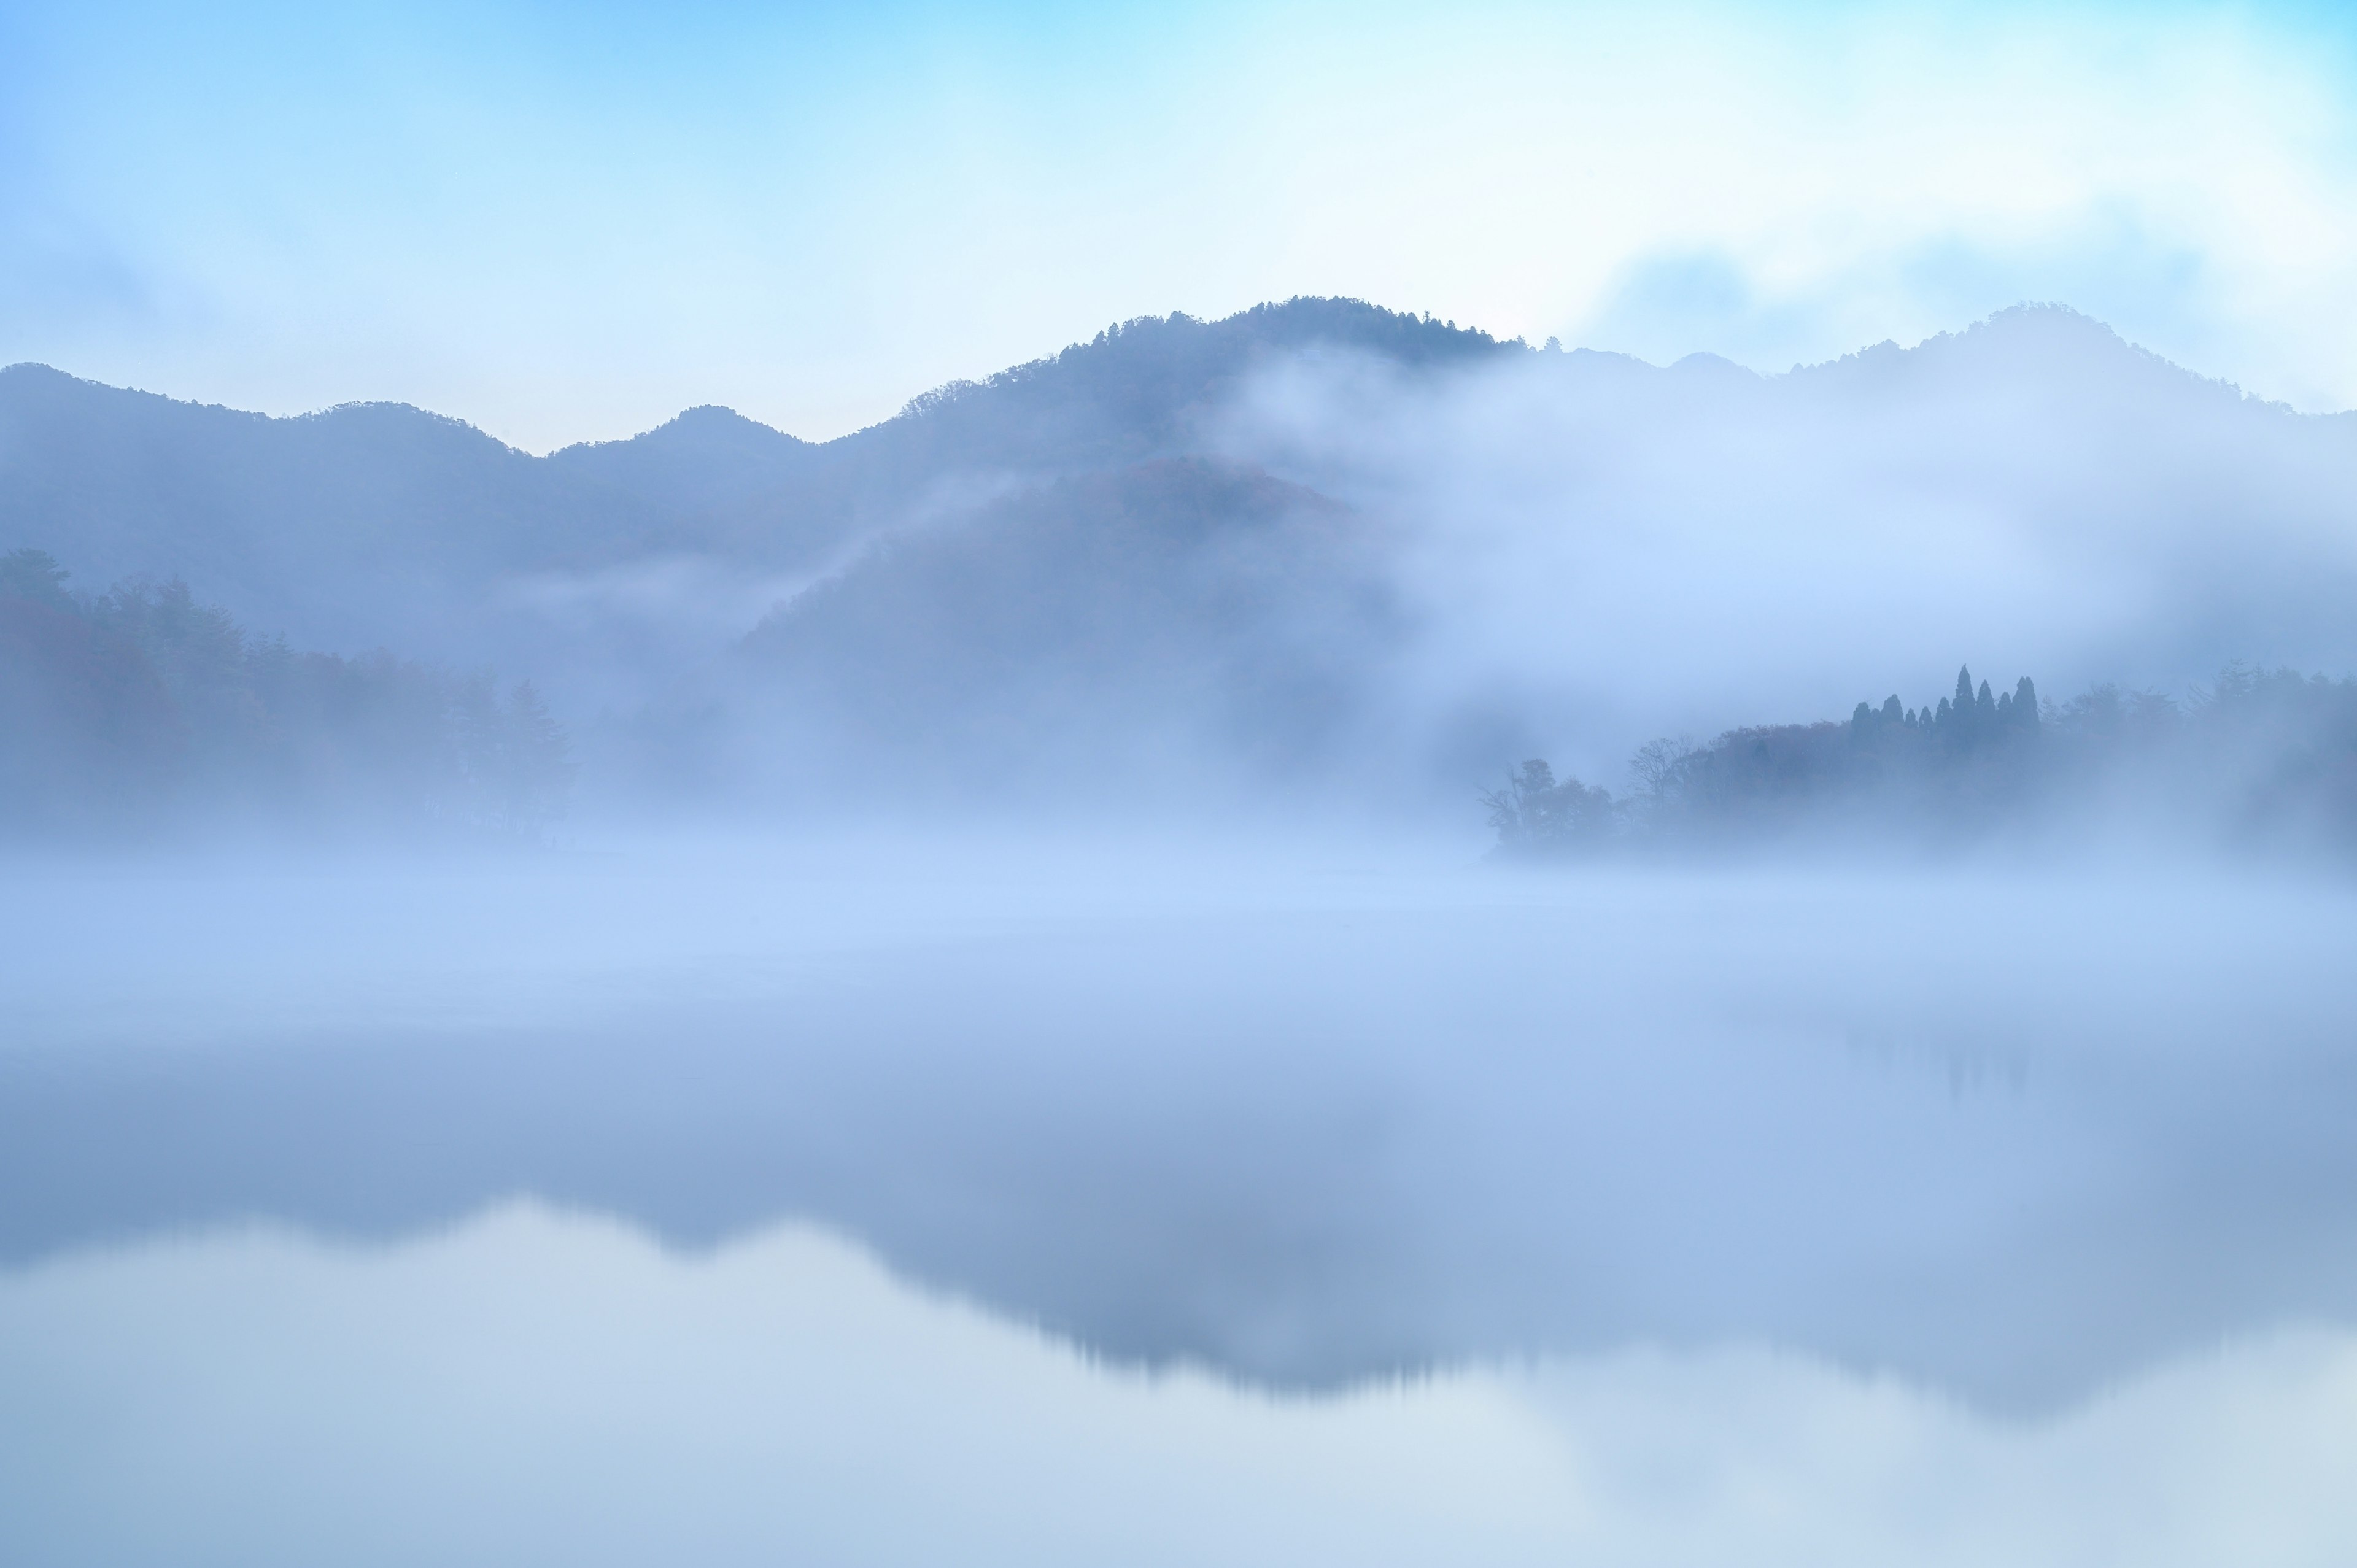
pixel 1292 934
pixel 569 222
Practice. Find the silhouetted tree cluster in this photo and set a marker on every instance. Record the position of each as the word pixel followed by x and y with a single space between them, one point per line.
pixel 1535 814
pixel 142 711
pixel 2259 759
pixel 1967 722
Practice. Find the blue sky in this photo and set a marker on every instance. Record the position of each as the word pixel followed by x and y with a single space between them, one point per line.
pixel 567 222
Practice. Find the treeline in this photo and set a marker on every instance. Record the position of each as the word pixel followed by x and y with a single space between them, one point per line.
pixel 2259 760
pixel 141 713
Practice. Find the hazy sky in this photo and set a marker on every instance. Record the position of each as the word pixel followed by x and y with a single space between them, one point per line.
pixel 569 221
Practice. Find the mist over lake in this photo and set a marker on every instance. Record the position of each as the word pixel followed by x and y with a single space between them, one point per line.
pixel 1007 787
pixel 2009 1148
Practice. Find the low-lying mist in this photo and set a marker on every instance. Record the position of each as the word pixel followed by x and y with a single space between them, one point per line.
pixel 1350 580
pixel 1319 562
pixel 1596 553
pixel 1318 845
pixel 1305 1115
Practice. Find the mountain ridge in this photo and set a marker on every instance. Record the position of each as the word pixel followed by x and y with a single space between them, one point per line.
pixel 610 570
pixel 1994 327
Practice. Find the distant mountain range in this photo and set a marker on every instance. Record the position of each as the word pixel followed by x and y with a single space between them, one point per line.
pixel 1242 535
pixel 379 523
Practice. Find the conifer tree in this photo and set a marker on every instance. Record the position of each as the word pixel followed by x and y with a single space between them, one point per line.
pixel 2025 704
pixel 1962 730
pixel 35 575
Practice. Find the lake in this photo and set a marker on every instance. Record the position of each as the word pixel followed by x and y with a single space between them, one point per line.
pixel 1086 1202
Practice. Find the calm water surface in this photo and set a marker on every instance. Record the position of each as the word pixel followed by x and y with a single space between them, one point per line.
pixel 716 1205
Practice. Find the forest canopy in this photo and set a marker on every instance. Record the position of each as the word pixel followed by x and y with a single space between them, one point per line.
pixel 2263 761
pixel 141 711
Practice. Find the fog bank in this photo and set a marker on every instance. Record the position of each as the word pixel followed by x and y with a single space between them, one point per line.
pixel 1315 559
pixel 2011 1137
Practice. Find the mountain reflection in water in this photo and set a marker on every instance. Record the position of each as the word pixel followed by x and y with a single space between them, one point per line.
pixel 1650 1187
pixel 532 1386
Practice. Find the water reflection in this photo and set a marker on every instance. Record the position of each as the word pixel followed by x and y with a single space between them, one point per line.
pixel 535 1386
pixel 2009 1139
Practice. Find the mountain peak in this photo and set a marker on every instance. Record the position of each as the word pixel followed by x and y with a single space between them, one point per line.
pixel 2023 346
pixel 1714 366
pixel 708 426
pixel 706 457
pixel 712 421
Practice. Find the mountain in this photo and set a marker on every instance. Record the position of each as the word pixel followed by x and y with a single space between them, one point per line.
pixel 1112 628
pixel 605 568
pixel 370 524
pixel 707 461
pixel 1314 539
pixel 1532 552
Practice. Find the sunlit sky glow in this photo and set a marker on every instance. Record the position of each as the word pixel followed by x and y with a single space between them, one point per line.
pixel 568 222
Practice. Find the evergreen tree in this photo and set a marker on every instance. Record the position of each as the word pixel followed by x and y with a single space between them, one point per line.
pixel 2025 704
pixel 536 763
pixel 35 575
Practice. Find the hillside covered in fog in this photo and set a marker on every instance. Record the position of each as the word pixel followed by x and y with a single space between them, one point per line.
pixel 2257 762
pixel 610 567
pixel 140 714
pixel 1316 556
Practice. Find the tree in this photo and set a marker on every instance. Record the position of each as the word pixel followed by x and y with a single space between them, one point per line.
pixel 1661 766
pixel 538 763
pixel 35 575
pixel 1535 815
pixel 517 762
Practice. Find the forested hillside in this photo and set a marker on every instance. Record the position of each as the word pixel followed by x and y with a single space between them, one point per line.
pixel 140 714
pixel 381 524
pixel 2255 761
pixel 1138 633
pixel 1315 552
